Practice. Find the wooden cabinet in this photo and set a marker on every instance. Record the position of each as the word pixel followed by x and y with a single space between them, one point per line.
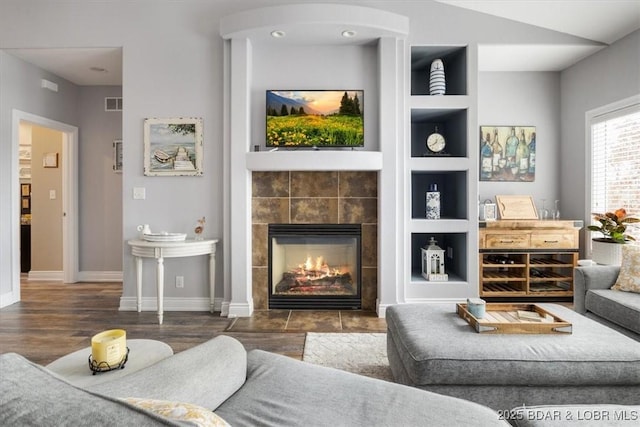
pixel 528 258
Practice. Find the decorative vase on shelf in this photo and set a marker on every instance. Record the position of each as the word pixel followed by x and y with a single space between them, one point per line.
pixel 606 251
pixel 433 202
pixel 437 84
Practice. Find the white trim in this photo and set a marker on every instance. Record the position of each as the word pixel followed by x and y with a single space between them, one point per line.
pixel 590 119
pixel 69 198
pixel 240 309
pixel 100 276
pixel 224 309
pixel 8 299
pixel 170 304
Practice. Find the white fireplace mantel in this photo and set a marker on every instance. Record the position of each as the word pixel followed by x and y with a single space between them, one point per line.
pixel 314 161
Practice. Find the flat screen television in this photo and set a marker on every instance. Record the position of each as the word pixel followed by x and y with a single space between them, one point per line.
pixel 315 118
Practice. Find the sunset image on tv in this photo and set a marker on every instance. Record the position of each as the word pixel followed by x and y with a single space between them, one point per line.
pixel 316 118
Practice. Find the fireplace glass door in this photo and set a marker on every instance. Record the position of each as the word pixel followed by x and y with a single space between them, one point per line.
pixel 314 266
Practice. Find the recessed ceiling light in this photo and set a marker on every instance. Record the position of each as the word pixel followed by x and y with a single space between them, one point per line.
pixel 348 33
pixel 99 69
pixel 278 34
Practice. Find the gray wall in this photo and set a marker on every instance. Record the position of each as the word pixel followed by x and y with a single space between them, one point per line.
pixel 100 188
pixel 20 89
pixel 524 99
pixel 173 66
pixel 610 75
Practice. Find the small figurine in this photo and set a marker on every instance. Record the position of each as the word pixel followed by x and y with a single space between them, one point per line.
pixel 199 228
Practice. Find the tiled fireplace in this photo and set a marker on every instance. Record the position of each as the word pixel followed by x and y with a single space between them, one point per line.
pixel 315 198
pixel 314 266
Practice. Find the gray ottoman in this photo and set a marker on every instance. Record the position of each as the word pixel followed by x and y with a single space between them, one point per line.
pixel 432 348
pixel 74 367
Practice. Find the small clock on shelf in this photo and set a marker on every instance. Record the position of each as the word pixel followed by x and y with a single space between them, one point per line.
pixel 436 144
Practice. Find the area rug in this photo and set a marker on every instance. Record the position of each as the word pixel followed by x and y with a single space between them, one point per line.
pixel 360 353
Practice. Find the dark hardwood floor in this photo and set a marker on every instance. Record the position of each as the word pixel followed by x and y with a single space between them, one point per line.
pixel 54 319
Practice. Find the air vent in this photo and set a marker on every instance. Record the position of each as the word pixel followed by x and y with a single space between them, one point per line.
pixel 113 103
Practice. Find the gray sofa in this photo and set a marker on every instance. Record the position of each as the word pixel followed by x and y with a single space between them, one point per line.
pixel 594 298
pixel 252 388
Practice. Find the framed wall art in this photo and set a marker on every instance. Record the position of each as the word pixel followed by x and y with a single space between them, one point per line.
pixel 507 153
pixel 173 147
pixel 50 160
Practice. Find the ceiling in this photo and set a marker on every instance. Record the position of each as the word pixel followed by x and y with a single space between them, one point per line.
pixel 82 66
pixel 601 21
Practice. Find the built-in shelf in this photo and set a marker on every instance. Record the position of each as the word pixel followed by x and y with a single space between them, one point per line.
pixel 455 68
pixel 454 172
pixel 437 225
pixel 451 123
pixel 310 160
pixel 452 186
pixel 455 249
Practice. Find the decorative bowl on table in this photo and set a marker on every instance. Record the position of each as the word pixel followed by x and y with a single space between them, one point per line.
pixel 164 237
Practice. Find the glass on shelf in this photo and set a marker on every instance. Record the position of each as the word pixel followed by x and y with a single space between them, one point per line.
pixel 555 213
pixel 543 213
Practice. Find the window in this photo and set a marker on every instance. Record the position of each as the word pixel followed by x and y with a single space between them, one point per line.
pixel 615 159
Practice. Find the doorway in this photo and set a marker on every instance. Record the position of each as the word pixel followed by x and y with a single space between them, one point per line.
pixel 41 202
pixel 68 161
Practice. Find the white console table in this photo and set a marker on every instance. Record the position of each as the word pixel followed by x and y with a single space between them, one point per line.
pixel 161 250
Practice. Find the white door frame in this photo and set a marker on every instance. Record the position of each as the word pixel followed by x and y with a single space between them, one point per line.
pixel 69 196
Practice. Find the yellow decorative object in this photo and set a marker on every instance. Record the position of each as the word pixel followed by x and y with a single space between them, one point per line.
pixel 109 346
pixel 179 411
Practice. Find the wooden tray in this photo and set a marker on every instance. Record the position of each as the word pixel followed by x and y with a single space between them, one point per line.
pixel 503 319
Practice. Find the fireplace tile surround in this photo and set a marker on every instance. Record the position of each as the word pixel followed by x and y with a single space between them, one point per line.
pixel 303 197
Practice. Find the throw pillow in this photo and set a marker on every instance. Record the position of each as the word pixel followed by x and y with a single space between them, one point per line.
pixel 629 277
pixel 194 414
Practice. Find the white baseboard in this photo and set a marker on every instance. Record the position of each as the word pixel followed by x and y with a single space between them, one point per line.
pixel 83 276
pixel 100 276
pixel 170 304
pixel 224 309
pixel 240 309
pixel 382 310
pixel 8 299
pixel 57 276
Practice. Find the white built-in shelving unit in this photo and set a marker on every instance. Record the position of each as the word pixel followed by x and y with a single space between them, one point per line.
pixel 455 173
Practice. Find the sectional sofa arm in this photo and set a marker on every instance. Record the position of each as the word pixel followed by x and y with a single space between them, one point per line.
pixel 593 277
pixel 204 375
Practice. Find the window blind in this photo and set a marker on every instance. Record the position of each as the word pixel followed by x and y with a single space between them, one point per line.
pixel 615 162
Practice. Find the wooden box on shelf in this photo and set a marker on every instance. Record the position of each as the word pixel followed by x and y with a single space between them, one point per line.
pixel 528 258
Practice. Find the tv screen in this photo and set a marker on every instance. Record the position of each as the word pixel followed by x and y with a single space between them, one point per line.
pixel 315 118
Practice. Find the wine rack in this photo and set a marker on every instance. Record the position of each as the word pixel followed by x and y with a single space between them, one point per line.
pixel 531 266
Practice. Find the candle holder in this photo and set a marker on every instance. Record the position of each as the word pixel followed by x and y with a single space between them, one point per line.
pixel 97 367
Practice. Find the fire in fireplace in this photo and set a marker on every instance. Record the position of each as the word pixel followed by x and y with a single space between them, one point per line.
pixel 314 266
